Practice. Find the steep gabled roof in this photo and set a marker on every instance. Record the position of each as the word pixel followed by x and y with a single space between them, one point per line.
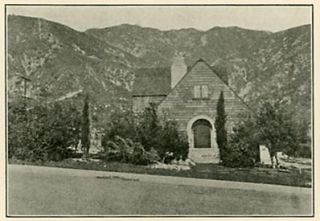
pixel 214 72
pixel 152 82
pixel 157 81
pixel 230 88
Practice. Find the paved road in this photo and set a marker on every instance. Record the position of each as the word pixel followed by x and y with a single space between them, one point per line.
pixel 55 191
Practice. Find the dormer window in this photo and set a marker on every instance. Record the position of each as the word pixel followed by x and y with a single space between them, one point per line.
pixel 201 91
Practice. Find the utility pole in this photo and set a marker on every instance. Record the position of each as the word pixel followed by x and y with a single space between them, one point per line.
pixel 25 85
pixel 25 82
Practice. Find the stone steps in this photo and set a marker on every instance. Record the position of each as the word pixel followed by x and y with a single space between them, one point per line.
pixel 203 155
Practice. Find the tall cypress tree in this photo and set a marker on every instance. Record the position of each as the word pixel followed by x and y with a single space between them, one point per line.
pixel 220 125
pixel 85 127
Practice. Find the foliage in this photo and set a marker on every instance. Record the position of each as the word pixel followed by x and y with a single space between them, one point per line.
pixel 150 132
pixel 143 157
pixel 127 151
pixel 148 127
pixel 118 150
pixel 172 141
pixel 242 149
pixel 122 124
pixel 42 132
pixel 279 130
pixel 220 126
pixel 17 119
pixel 273 126
pixel 304 150
pixel 85 127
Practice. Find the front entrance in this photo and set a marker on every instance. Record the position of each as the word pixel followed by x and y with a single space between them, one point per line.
pixel 202 141
pixel 202 133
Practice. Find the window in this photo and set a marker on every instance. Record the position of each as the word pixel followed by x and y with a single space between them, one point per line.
pixel 197 91
pixel 201 91
pixel 204 91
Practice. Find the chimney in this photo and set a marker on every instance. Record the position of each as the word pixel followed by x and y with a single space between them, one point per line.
pixel 178 69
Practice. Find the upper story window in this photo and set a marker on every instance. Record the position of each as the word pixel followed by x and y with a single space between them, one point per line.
pixel 201 91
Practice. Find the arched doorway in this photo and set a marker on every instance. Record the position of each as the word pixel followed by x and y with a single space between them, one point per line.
pixel 202 133
pixel 202 140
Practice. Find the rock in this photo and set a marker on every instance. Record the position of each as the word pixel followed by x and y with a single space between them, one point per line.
pixel 190 162
pixel 264 155
pixel 281 155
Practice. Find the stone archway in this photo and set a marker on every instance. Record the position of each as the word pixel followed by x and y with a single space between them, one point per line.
pixel 202 140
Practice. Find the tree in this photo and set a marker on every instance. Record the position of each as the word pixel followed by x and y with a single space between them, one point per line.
pixel 61 130
pixel 85 128
pixel 242 149
pixel 275 126
pixel 43 132
pixel 220 126
pixel 122 124
pixel 148 127
pixel 278 130
pixel 18 128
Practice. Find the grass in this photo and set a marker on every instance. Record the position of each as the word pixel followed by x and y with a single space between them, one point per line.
pixel 292 177
pixel 45 192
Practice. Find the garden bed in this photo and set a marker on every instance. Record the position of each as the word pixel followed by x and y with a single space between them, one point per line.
pixel 290 177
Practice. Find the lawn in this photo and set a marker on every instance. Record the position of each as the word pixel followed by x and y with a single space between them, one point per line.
pixel 51 191
pixel 292 177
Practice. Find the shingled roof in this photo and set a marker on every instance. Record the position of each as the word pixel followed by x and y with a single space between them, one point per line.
pixel 152 82
pixel 157 81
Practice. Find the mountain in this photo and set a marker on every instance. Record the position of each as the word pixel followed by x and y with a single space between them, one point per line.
pixel 259 65
pixel 60 61
pixel 277 67
pixel 63 63
pixel 157 48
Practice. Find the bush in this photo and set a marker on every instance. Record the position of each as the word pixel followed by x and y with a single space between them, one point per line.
pixel 118 150
pixel 127 151
pixel 122 124
pixel 277 127
pixel 304 150
pixel 153 135
pixel 148 128
pixel 242 149
pixel 274 126
pixel 142 157
pixel 172 141
pixel 42 132
pixel 18 133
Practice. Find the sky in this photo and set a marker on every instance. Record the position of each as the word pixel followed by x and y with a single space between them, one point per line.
pixel 81 18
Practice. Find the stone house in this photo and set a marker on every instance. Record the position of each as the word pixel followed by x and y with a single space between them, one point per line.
pixel 189 96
